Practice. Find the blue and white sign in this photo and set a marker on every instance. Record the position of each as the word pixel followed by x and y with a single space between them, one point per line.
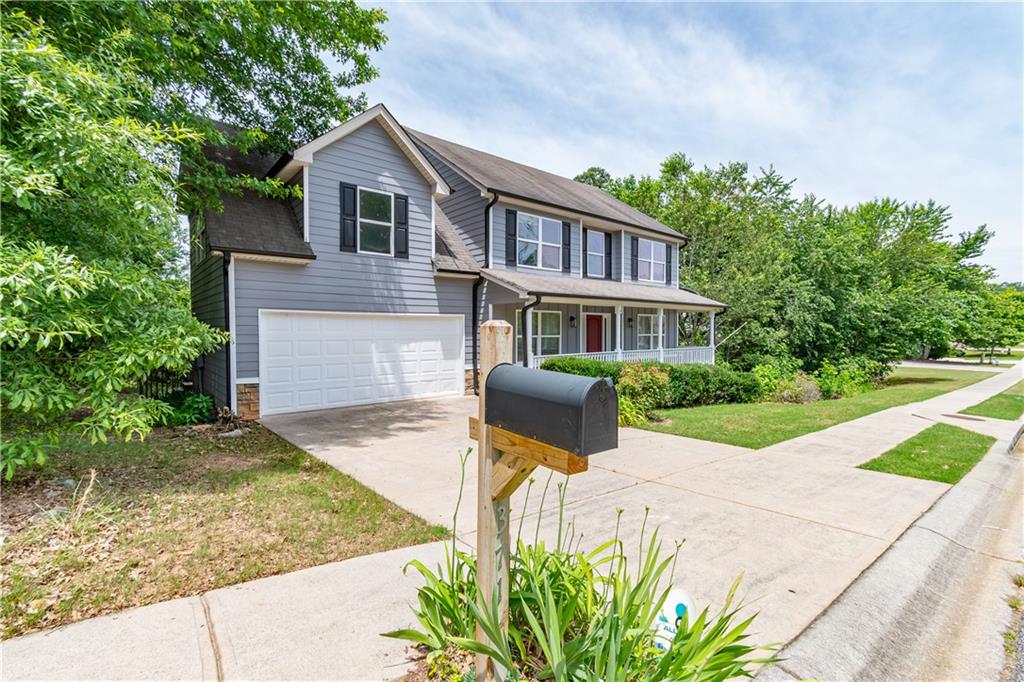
pixel 677 605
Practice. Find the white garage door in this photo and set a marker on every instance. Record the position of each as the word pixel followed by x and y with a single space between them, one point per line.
pixel 312 361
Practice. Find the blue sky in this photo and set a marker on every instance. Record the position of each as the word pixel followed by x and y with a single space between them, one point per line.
pixel 854 101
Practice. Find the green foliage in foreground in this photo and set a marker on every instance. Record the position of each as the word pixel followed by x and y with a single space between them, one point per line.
pixel 1006 405
pixel 941 453
pixel 105 112
pixel 576 615
pixel 762 424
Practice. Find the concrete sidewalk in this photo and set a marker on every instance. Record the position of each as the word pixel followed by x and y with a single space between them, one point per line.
pixel 797 519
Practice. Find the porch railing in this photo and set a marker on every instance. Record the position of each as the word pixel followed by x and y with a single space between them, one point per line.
pixel 688 355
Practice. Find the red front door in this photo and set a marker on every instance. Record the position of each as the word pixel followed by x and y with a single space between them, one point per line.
pixel 595 334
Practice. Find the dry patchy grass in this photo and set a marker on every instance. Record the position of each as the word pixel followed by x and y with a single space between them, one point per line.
pixel 178 515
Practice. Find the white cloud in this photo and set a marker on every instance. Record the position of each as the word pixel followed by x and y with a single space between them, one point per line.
pixel 853 103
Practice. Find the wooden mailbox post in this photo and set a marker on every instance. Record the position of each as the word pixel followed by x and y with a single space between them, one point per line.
pixel 506 458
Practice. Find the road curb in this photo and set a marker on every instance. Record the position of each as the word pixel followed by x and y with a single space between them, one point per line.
pixel 934 600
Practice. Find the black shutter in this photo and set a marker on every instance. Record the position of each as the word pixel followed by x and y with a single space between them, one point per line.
pixel 348 217
pixel 608 255
pixel 510 237
pixel 634 262
pixel 584 254
pixel 668 264
pixel 566 247
pixel 401 226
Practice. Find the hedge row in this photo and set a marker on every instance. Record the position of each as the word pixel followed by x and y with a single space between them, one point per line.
pixel 689 385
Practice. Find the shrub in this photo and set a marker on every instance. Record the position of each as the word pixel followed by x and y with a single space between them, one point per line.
pixel 800 389
pixel 850 376
pixel 585 367
pixel 692 385
pixel 646 386
pixel 688 385
pixel 774 375
pixel 188 407
pixel 629 413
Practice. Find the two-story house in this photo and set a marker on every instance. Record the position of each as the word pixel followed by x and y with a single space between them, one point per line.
pixel 372 286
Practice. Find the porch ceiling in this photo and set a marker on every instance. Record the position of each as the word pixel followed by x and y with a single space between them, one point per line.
pixel 598 291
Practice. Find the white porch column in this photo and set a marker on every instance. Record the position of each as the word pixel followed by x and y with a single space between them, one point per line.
pixel 528 337
pixel 711 337
pixel 579 331
pixel 618 332
pixel 661 334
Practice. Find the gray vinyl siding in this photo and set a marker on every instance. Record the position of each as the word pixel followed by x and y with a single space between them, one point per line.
pixel 498 241
pixel 207 292
pixel 569 336
pixel 340 281
pixel 464 206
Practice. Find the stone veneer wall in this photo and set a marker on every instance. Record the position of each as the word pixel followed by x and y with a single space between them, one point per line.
pixel 248 401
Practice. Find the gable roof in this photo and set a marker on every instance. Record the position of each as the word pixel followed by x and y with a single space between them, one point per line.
pixel 520 181
pixel 452 254
pixel 303 156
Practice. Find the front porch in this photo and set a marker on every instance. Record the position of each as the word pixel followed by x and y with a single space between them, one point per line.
pixel 609 332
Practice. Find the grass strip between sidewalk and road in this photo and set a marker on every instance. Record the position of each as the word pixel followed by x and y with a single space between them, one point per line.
pixel 941 453
pixel 758 425
pixel 1006 405
pixel 178 515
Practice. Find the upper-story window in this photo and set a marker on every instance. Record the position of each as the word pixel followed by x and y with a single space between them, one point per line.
pixel 596 253
pixel 651 260
pixel 376 221
pixel 539 242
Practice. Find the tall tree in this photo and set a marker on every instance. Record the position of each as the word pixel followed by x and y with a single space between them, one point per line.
pixel 105 109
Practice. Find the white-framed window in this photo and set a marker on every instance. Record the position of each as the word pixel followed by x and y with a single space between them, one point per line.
pixel 647 331
pixel 651 260
pixel 546 333
pixel 538 242
pixel 595 253
pixel 376 226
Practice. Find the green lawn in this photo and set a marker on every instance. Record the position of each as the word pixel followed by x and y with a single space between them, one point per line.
pixel 941 453
pixel 1006 405
pixel 758 425
pixel 969 355
pixel 178 515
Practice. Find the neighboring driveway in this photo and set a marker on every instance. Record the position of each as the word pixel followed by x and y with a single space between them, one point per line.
pixel 798 527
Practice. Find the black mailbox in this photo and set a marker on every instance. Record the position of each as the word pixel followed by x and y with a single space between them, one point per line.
pixel 573 413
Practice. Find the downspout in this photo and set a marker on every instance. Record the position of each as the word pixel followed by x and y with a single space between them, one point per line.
pixel 227 328
pixel 476 293
pixel 487 229
pixel 526 311
pixel 475 334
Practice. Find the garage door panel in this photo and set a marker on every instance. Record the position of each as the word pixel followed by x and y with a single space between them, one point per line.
pixel 312 361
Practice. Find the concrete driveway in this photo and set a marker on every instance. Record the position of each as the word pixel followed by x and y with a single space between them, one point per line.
pixel 799 527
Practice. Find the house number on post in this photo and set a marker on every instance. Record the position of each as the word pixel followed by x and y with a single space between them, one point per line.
pixel 529 418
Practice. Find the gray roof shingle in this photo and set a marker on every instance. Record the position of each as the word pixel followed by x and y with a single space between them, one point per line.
pixel 453 255
pixel 255 224
pixel 592 288
pixel 516 179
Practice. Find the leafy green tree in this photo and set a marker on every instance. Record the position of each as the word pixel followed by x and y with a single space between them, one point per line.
pixel 997 321
pixel 805 279
pixel 106 109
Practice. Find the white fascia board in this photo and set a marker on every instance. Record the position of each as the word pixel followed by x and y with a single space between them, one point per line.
pixel 378 112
